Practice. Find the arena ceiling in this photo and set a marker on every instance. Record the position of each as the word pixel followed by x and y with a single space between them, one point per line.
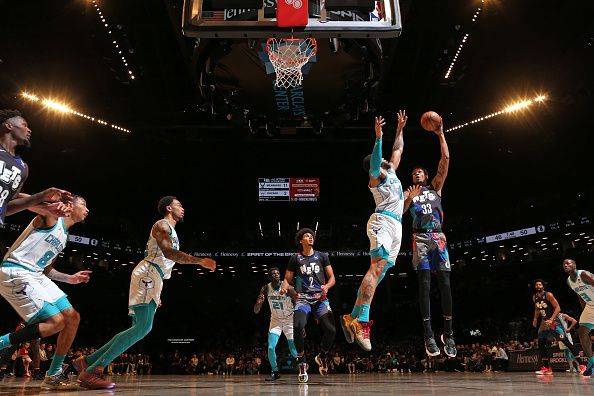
pixel 515 50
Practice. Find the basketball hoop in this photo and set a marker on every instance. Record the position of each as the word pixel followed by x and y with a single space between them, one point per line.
pixel 288 56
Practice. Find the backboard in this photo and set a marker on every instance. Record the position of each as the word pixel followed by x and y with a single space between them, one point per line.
pixel 203 20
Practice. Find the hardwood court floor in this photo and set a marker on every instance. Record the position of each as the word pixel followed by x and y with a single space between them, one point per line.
pixel 442 384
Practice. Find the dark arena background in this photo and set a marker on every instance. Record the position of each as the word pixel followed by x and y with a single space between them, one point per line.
pixel 130 101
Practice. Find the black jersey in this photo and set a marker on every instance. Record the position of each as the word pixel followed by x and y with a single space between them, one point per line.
pixel 309 271
pixel 544 307
pixel 426 211
pixel 13 173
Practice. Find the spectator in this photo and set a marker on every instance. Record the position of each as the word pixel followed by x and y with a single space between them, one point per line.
pixel 229 364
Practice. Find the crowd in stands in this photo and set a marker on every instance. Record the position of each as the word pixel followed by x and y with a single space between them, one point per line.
pixel 402 357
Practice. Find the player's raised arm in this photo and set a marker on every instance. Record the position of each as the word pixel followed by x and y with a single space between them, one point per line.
pixel 398 146
pixel 375 164
pixel 444 162
pixel 260 300
pixel 161 233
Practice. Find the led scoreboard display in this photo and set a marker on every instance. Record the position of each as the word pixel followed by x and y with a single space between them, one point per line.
pixel 289 189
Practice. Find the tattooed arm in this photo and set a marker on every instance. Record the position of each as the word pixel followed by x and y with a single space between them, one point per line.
pixel 444 162
pixel 160 232
pixel 79 277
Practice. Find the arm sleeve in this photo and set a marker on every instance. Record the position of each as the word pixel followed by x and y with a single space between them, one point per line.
pixel 376 158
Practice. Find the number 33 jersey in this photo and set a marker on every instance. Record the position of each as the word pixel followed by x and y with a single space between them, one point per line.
pixel 309 271
pixel 35 249
pixel 426 211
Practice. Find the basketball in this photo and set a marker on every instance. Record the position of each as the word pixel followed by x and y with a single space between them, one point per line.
pixel 430 121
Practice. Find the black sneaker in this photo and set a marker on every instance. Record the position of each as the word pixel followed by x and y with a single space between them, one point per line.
pixel 431 347
pixel 273 376
pixel 449 346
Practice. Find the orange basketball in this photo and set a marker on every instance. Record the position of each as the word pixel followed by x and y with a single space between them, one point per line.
pixel 430 121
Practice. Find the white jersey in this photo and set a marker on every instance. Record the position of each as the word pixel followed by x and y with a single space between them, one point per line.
pixel 388 196
pixel 583 289
pixel 154 254
pixel 281 307
pixel 35 249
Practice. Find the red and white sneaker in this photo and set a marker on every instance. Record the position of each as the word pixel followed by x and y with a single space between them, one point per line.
pixel 544 371
pixel 362 332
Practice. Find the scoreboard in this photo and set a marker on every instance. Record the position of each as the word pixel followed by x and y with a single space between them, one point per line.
pixel 289 189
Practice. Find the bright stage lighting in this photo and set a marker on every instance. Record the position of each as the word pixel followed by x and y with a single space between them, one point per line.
pixel 524 104
pixel 63 108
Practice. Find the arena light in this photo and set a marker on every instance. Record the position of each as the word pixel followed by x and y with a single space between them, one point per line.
pixel 56 106
pixel 463 42
pixel 514 107
pixel 116 45
pixel 64 108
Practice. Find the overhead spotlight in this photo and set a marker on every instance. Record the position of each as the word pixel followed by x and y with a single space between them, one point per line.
pixel 333 44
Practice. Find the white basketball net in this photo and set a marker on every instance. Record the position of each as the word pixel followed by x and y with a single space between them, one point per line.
pixel 288 56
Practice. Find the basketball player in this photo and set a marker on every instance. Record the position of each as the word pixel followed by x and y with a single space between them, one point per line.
pixel 26 275
pixel 568 323
pixel 547 308
pixel 313 277
pixel 281 317
pixel 14 131
pixel 161 254
pixel 430 253
pixel 582 282
pixel 384 230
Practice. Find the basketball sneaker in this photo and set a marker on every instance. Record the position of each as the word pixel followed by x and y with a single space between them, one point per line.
pixel 588 371
pixel 449 346
pixel 321 361
pixel 362 331
pixel 95 380
pixel 345 323
pixel 303 377
pixel 544 371
pixel 58 382
pixel 431 347
pixel 273 376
